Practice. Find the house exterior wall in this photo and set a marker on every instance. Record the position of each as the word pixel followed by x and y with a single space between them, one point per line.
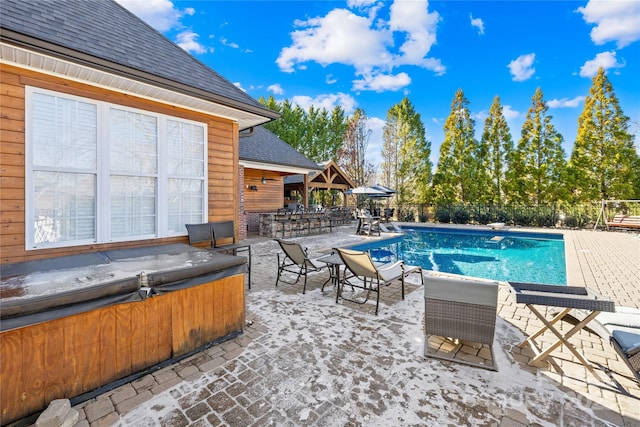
pixel 267 197
pixel 242 217
pixel 223 176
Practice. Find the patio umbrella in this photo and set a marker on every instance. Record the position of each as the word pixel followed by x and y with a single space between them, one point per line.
pixel 387 192
pixel 366 191
pixel 385 189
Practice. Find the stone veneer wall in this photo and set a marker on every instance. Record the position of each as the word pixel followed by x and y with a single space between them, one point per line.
pixel 253 222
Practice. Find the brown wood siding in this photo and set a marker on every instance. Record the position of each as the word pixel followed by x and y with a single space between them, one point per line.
pixel 269 197
pixel 223 160
pixel 67 357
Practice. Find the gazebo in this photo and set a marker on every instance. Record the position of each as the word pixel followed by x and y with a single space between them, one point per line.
pixel 331 177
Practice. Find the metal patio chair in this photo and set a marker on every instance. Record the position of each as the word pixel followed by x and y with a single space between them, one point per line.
pixel 359 265
pixel 200 233
pixel 296 260
pixel 212 234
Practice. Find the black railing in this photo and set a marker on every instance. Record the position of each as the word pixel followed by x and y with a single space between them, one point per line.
pixel 582 215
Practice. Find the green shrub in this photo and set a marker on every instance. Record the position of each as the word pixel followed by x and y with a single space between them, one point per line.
pixel 406 214
pixel 443 214
pixel 460 215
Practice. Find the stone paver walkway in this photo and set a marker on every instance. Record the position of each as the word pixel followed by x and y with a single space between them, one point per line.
pixel 304 360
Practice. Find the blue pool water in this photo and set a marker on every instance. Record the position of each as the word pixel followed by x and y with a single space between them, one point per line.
pixel 498 255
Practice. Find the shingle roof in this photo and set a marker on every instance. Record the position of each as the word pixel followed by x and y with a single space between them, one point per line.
pixel 265 147
pixel 106 31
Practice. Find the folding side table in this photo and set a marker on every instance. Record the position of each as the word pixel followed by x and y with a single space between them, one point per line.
pixel 569 297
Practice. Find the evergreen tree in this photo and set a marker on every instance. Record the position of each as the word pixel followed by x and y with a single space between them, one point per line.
pixel 495 147
pixel 604 163
pixel 537 166
pixel 315 133
pixel 406 166
pixel 457 176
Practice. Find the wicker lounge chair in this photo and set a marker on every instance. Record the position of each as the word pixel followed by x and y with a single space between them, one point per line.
pixel 359 265
pixel 462 308
pixel 296 260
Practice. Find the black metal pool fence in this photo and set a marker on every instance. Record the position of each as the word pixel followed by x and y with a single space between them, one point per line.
pixel 556 215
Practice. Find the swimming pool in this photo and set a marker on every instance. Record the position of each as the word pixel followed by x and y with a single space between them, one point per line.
pixel 498 255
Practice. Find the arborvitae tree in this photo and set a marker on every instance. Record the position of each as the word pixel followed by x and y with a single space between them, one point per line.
pixel 536 172
pixel 495 147
pixel 351 156
pixel 456 178
pixel 406 154
pixel 316 133
pixel 604 163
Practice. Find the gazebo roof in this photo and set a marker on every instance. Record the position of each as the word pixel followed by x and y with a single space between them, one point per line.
pixel 331 177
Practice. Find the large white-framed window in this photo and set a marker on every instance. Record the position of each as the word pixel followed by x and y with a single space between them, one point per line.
pixel 97 172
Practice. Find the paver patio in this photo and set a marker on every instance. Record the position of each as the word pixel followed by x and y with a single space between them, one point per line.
pixel 305 360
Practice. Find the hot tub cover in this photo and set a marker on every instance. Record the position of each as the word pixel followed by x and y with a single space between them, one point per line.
pixel 37 291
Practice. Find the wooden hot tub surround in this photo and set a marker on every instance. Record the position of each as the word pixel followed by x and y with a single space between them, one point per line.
pixel 69 351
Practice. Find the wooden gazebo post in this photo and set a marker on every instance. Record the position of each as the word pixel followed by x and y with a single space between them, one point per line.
pixel 305 191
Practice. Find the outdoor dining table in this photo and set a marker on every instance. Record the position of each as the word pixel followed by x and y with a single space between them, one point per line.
pixel 333 262
pixel 569 297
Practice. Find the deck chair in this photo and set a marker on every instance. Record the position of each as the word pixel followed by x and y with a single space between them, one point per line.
pixel 460 307
pixel 623 328
pixel 225 230
pixel 359 265
pixel 296 260
pixel 396 227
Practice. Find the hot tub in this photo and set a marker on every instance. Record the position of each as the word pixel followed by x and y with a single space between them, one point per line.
pixel 75 324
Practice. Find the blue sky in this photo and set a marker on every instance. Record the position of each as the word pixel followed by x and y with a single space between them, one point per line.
pixel 370 54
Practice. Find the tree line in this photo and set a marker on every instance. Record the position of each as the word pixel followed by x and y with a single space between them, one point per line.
pixel 494 170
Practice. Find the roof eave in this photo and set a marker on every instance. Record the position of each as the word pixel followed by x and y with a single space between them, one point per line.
pixel 68 55
pixel 275 167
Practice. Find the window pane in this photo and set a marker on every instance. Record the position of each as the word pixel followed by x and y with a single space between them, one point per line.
pixel 133 206
pixel 186 149
pixel 133 141
pixel 64 207
pixel 64 133
pixel 185 203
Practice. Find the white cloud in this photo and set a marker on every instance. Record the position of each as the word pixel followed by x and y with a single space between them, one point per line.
pixel 480 116
pixel 239 86
pixel 521 68
pixel 605 60
pixel 188 40
pixel 360 3
pixel 615 20
pixel 276 89
pixel 382 82
pixel 509 113
pixel 226 42
pixel 327 101
pixel 566 102
pixel 164 16
pixel 413 18
pixel 365 42
pixel 160 14
pixel 478 23
pixel 324 40
pixel 329 79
